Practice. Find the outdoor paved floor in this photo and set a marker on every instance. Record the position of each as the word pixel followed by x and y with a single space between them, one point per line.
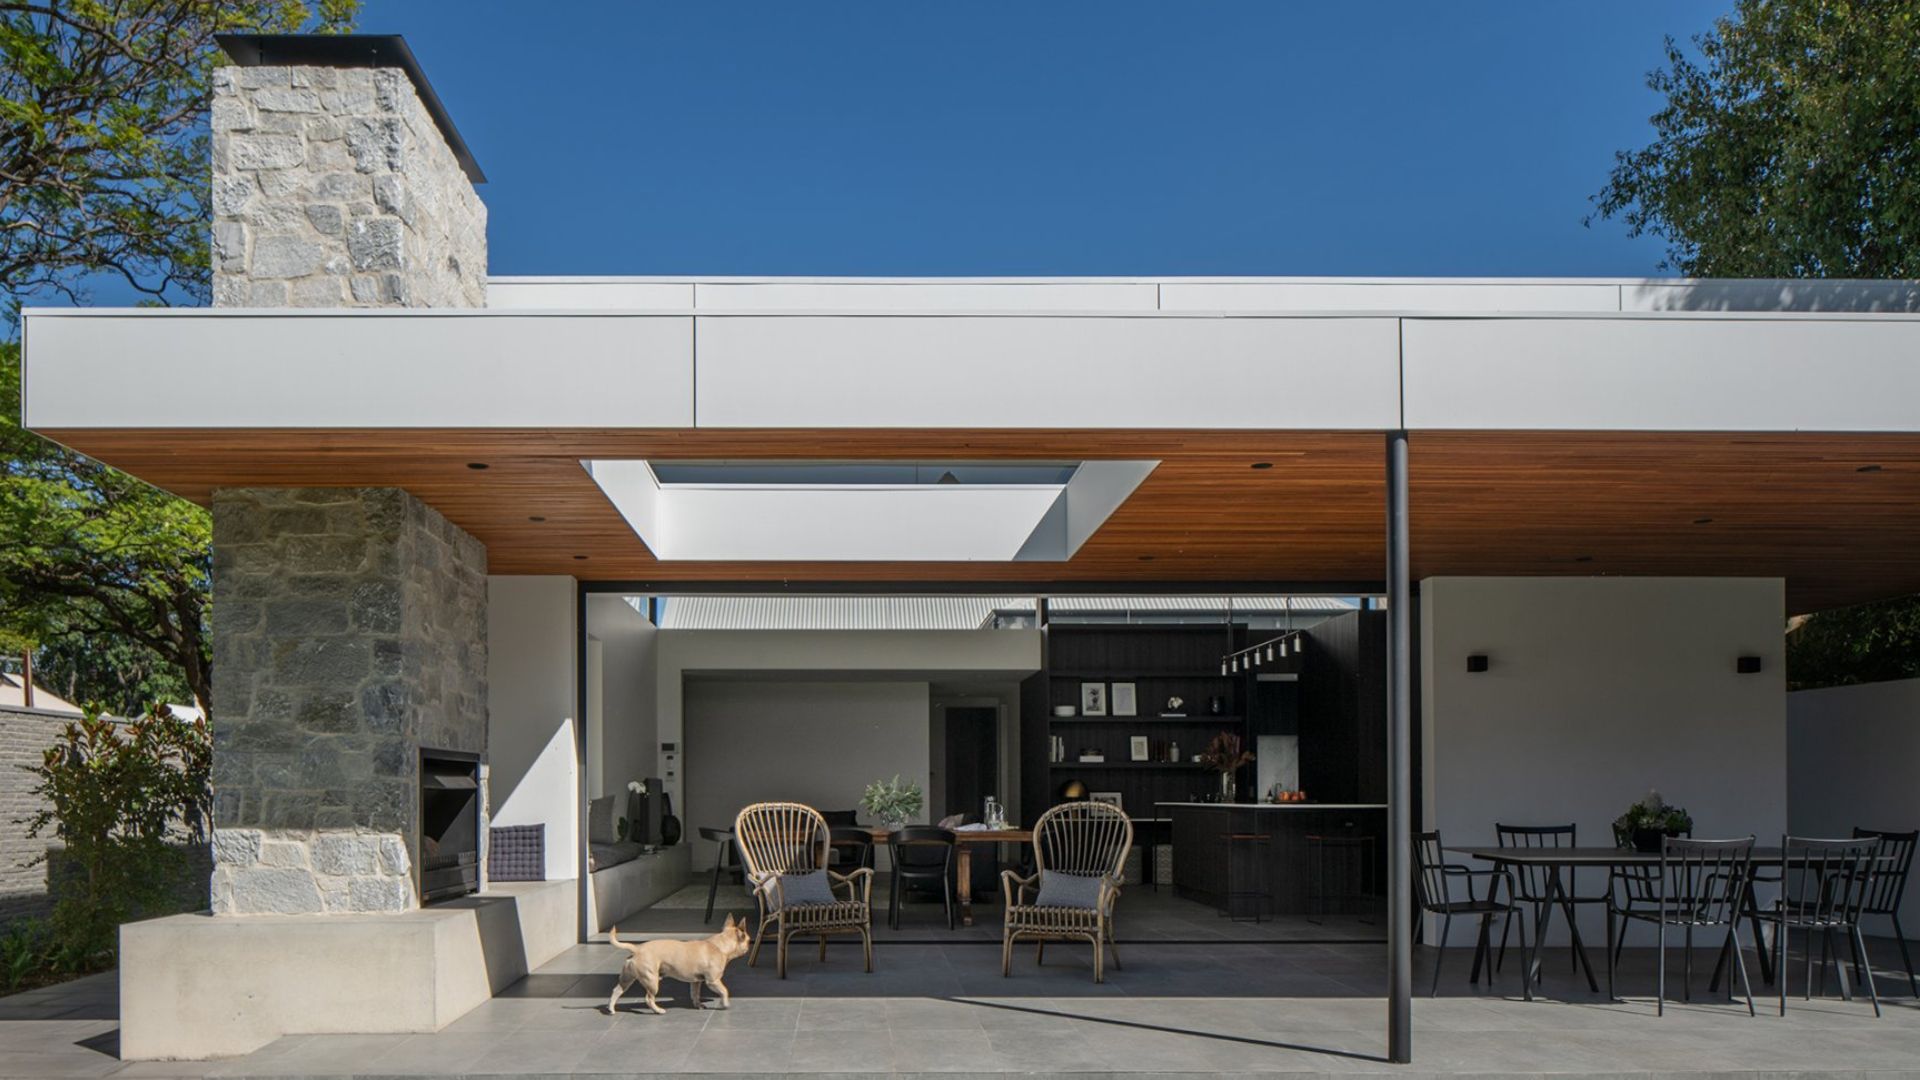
pixel 1174 1010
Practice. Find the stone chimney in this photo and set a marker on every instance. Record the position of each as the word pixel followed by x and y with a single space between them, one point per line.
pixel 339 181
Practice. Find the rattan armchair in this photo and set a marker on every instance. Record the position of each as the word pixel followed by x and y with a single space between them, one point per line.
pixel 1083 839
pixel 778 840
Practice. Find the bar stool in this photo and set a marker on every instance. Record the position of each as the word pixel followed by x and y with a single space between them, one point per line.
pixel 1354 852
pixel 1244 839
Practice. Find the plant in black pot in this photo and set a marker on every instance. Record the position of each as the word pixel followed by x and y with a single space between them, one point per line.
pixel 1648 822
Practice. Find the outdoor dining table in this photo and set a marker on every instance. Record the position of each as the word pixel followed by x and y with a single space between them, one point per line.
pixel 964 842
pixel 1553 860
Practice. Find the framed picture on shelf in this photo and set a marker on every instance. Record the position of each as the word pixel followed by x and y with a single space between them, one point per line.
pixel 1111 798
pixel 1124 701
pixel 1137 745
pixel 1093 699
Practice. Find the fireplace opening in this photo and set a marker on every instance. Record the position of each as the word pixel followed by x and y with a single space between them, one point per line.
pixel 449 824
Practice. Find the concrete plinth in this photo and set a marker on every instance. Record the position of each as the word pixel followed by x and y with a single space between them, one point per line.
pixel 201 986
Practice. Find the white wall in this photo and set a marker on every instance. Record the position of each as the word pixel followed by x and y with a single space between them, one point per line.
pixel 629 662
pixel 1597 690
pixel 1851 756
pixel 532 665
pixel 819 743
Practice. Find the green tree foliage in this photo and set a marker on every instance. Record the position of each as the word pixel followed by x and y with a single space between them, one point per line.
pixel 124 801
pixel 104 174
pixel 1789 146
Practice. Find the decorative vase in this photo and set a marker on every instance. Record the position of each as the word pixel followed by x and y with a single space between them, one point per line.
pixel 1648 841
pixel 1229 791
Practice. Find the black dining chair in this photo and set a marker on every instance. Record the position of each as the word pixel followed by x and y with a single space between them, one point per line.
pixel 1889 886
pixel 1698 884
pixel 1534 884
pixel 922 859
pixel 1823 887
pixel 1447 889
pixel 850 847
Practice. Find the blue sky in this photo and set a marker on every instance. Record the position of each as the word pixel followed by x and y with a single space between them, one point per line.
pixel 1047 138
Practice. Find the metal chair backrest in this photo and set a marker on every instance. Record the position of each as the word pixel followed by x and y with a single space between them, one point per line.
pixel 781 838
pixel 1431 887
pixel 1702 882
pixel 1532 880
pixel 1825 882
pixel 1889 870
pixel 1086 838
pixel 921 847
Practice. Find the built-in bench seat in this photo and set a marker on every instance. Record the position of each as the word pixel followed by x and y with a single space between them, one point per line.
pixel 637 881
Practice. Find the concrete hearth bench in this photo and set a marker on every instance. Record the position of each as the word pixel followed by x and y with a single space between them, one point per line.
pixel 202 986
pixel 638 884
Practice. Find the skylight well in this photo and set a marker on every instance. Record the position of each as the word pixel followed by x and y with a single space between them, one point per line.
pixel 856 511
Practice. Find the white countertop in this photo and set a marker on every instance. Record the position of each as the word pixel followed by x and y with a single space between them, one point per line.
pixel 1277 806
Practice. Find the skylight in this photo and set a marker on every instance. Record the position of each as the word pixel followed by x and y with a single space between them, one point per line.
pixel 866 511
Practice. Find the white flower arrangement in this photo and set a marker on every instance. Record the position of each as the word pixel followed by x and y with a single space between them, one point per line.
pixel 638 787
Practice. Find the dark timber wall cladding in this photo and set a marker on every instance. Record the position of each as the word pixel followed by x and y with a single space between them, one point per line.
pixel 349 629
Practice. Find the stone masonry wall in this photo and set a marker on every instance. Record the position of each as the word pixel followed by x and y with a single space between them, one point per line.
pixel 349 630
pixel 332 187
pixel 25 735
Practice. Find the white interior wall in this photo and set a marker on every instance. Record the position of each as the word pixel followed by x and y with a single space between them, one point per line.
pixel 818 743
pixel 1597 690
pixel 629 660
pixel 532 665
pixel 1851 753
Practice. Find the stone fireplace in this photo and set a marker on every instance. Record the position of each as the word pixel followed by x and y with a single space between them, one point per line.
pixel 450 817
pixel 349 674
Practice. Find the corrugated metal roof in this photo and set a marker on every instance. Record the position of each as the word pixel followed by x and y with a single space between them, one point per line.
pixel 950 612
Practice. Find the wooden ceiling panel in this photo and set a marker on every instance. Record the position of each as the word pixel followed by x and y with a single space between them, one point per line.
pixel 1787 505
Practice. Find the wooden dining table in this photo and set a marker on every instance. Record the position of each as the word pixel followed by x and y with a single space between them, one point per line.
pixel 965 840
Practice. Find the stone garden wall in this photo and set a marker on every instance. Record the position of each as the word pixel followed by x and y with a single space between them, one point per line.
pixel 349 631
pixel 332 187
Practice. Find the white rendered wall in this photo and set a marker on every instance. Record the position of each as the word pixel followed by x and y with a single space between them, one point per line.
pixel 629 734
pixel 1597 690
pixel 819 743
pixel 1851 756
pixel 532 626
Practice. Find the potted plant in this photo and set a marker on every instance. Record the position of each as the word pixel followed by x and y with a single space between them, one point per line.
pixel 892 802
pixel 1648 822
pixel 1225 755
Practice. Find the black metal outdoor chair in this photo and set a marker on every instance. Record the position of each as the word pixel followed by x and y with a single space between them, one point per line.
pixel 1890 885
pixel 1434 890
pixel 1533 882
pixel 1823 888
pixel 1698 884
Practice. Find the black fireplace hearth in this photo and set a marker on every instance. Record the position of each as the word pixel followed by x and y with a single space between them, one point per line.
pixel 449 824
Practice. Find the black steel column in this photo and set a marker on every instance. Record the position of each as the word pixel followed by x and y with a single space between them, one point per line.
pixel 1399 763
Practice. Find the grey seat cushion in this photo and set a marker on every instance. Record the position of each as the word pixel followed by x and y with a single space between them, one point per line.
pixel 808 888
pixel 603 856
pixel 600 821
pixel 1080 891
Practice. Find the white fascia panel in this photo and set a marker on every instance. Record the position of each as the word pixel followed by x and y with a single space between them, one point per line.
pixel 1664 373
pixel 1387 295
pixel 286 369
pixel 927 297
pixel 1150 372
pixel 588 294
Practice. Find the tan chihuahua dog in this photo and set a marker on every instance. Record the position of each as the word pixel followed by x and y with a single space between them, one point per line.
pixel 692 962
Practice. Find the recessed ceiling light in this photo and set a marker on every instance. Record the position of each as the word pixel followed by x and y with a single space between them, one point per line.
pixel 1583 558
pixel 476 465
pixel 1263 465
pixel 1703 521
pixel 1868 468
pixel 535 517
pixel 582 558
pixel 1146 558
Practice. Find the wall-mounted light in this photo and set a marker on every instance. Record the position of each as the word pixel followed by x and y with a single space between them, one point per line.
pixel 1747 665
pixel 1477 662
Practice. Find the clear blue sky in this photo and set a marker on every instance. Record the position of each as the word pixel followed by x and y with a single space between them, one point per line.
pixel 1450 138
